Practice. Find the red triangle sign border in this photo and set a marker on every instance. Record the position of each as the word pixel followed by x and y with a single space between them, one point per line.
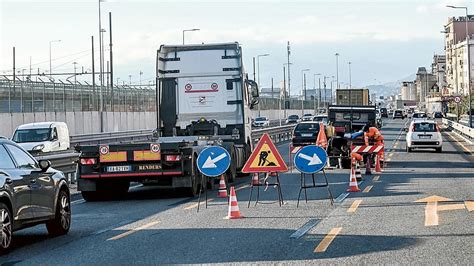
pixel 265 139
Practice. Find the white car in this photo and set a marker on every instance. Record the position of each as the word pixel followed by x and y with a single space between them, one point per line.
pixel 424 134
pixel 307 117
pixel 261 121
pixel 43 137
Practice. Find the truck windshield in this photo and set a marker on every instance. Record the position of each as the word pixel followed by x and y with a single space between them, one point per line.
pixel 32 135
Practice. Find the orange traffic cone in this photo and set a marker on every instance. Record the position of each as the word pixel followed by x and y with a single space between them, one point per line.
pixel 378 168
pixel 222 193
pixel 322 140
pixel 234 212
pixel 358 174
pixel 353 187
pixel 255 180
pixel 368 167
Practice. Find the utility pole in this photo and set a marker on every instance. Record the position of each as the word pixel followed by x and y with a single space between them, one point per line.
pixel 284 91
pixel 111 64
pixel 93 75
pixel 289 79
pixel 337 71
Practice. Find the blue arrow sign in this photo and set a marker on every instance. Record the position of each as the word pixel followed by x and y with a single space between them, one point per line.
pixel 310 159
pixel 213 161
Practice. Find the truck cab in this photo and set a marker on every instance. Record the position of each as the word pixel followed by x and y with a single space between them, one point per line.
pixel 42 137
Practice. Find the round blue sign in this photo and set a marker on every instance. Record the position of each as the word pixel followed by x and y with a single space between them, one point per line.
pixel 310 159
pixel 213 161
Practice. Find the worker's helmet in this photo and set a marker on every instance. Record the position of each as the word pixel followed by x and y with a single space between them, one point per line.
pixel 366 127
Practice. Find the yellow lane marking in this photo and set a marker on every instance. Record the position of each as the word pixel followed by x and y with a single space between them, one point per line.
pixel 431 214
pixel 451 207
pixel 354 205
pixel 324 244
pixel 367 189
pixel 469 205
pixel 192 206
pixel 134 230
pixel 376 178
pixel 433 198
pixel 461 144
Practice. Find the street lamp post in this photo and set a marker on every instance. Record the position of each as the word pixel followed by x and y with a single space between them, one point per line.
pixel 319 90
pixel 350 78
pixel 337 70
pixel 188 30
pixel 303 89
pixel 258 75
pixel 50 68
pixel 468 61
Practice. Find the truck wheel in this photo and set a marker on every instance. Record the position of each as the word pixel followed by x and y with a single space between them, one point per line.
pixel 90 195
pixel 195 183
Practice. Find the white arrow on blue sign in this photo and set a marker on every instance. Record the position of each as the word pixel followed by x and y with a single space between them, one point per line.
pixel 310 159
pixel 213 161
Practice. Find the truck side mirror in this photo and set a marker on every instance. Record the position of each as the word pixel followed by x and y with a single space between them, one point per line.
pixel 254 103
pixel 253 88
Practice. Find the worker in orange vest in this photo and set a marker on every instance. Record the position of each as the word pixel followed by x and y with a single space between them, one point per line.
pixel 372 133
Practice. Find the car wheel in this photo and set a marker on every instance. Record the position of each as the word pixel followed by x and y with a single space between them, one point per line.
pixel 409 149
pixel 6 234
pixel 62 220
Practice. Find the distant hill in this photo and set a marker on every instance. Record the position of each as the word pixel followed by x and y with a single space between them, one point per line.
pixel 389 88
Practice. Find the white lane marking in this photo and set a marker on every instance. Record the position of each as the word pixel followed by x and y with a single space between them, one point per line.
pixel 341 198
pixel 79 201
pixel 133 230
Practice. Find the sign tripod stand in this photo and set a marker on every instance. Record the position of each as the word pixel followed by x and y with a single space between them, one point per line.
pixel 313 185
pixel 258 185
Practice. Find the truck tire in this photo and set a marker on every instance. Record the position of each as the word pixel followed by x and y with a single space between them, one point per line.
pixel 195 182
pixel 90 195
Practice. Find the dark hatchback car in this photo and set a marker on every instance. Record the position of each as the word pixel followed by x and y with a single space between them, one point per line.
pixel 31 193
pixel 305 134
pixel 383 112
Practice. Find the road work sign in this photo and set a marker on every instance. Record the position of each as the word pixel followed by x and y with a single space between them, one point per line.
pixel 265 158
pixel 213 161
pixel 310 159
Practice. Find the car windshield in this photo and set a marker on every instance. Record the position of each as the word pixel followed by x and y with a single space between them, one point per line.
pixel 307 127
pixel 320 118
pixel 307 115
pixel 424 127
pixel 398 112
pixel 32 135
pixel 293 117
pixel 261 119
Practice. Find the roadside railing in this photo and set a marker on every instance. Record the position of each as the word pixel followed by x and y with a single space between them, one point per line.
pixel 459 128
pixel 111 137
pixel 277 134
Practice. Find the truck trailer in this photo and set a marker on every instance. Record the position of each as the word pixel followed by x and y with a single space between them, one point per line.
pixel 204 98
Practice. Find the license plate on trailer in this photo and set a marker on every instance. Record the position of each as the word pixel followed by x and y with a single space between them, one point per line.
pixel 425 137
pixel 306 135
pixel 122 168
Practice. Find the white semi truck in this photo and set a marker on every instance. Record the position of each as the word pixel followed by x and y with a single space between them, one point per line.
pixel 203 98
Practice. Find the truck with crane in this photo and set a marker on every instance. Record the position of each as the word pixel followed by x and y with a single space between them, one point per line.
pixel 204 98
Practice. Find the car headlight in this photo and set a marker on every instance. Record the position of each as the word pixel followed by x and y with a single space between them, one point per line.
pixel 38 147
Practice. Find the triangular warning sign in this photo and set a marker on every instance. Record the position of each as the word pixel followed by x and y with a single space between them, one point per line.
pixel 265 158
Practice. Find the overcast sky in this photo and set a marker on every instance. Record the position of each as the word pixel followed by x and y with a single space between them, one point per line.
pixel 384 40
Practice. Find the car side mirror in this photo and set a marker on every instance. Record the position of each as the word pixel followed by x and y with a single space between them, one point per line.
pixel 44 165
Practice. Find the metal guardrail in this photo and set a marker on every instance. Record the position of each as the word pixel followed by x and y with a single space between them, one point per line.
pixel 111 137
pixel 459 128
pixel 277 134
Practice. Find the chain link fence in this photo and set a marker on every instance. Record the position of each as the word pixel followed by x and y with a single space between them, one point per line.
pixel 46 96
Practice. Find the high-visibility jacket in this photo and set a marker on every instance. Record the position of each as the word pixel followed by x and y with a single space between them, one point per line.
pixel 373 133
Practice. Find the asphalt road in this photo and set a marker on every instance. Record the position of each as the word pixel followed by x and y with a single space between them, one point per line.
pixel 381 225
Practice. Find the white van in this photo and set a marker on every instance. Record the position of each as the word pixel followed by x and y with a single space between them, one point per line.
pixel 43 137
